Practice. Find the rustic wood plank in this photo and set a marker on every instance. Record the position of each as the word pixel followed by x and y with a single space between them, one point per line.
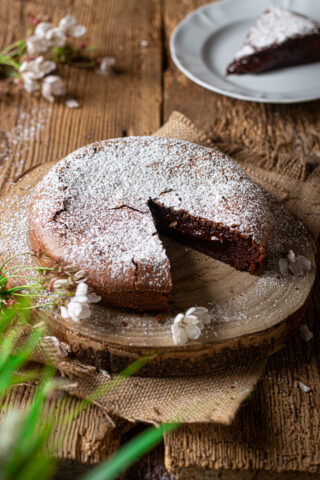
pixel 32 131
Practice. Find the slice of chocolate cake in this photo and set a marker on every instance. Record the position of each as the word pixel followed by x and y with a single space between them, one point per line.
pixel 279 38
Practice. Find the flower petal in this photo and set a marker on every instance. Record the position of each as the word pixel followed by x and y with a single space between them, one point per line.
pixel 80 299
pixel 77 31
pixel 193 331
pixel 296 269
pixel 191 320
pixel 36 45
pixel 72 103
pixel 284 266
pixel 42 28
pixel 179 335
pixel 67 22
pixel 93 297
pixel 74 309
pixel 291 256
pixel 64 312
pixel 86 312
pixel 304 263
pixel 56 37
pixel 82 289
pixel 178 319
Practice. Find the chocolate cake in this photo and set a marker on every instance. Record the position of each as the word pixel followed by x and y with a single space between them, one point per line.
pixel 280 38
pixel 102 207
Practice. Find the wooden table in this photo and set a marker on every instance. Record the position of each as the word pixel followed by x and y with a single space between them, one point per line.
pixel 277 431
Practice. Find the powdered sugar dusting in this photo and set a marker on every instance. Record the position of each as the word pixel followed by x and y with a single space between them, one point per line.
pixel 274 26
pixel 94 203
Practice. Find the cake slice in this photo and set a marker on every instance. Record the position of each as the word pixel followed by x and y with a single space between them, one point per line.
pixel 279 38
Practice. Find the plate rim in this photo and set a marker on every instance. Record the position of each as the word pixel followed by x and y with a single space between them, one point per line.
pixel 210 87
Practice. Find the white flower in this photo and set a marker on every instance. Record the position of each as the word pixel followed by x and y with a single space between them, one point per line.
pixel 297 265
pixel 189 325
pixel 42 28
pixel 68 25
pixel 34 70
pixel 37 68
pixel 78 307
pixel 36 45
pixel 72 103
pixel 53 86
pixel 55 37
pixel 29 83
pixel 144 43
pixel 106 66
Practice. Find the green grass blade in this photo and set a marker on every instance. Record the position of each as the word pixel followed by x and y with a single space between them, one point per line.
pixel 130 453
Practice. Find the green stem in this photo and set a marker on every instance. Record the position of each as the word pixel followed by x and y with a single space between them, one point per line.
pixel 21 287
pixel 37 306
pixel 14 256
pixel 12 274
pixel 12 46
pixel 30 295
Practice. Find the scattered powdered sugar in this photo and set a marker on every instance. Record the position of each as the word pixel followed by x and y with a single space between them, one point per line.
pixel 27 128
pixel 274 26
pixel 94 203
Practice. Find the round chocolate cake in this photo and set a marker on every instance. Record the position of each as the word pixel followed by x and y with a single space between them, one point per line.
pixel 102 208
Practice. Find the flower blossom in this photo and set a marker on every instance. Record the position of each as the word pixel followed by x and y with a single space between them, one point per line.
pixel 42 28
pixel 53 86
pixel 34 70
pixel 55 37
pixel 36 45
pixel 68 25
pixel 78 307
pixel 46 36
pixel 189 325
pixel 297 265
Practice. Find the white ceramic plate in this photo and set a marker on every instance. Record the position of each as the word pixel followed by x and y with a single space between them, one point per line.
pixel 205 42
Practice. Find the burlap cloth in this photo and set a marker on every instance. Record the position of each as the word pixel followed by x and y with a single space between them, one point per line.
pixel 210 398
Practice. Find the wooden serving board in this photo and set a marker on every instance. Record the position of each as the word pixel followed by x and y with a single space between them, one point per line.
pixel 252 315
